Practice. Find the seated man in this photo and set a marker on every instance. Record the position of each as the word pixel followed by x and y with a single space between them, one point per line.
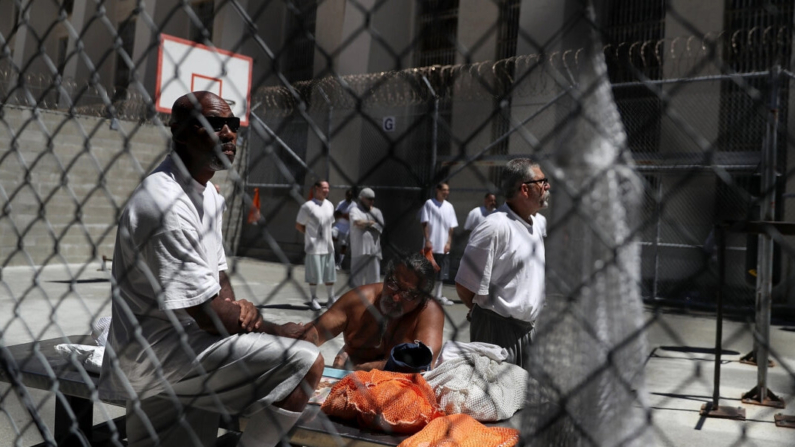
pixel 182 350
pixel 376 317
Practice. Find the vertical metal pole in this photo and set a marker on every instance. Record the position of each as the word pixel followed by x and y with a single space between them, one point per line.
pixel 435 129
pixel 327 146
pixel 328 137
pixel 720 241
pixel 764 279
pixel 657 238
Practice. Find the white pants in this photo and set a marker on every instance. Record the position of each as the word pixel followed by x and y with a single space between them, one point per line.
pixel 243 375
pixel 365 270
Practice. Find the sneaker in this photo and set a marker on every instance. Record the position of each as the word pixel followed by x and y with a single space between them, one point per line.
pixel 337 267
pixel 444 301
pixel 314 305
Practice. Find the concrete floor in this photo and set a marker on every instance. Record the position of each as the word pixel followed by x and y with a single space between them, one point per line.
pixel 679 372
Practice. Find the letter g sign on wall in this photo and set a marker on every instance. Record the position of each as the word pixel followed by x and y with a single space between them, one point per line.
pixel 388 125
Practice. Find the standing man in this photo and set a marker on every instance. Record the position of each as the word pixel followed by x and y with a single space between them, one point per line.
pixel 314 220
pixel 501 276
pixel 342 224
pixel 368 225
pixel 181 349
pixel 438 222
pixel 478 215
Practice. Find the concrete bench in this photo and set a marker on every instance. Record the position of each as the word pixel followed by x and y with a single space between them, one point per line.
pixel 37 365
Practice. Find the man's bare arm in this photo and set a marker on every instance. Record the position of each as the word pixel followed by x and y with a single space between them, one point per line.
pixel 465 294
pixel 220 316
pixel 430 327
pixel 226 292
pixel 300 228
pixel 449 240
pixel 249 318
pixel 332 322
pixel 426 231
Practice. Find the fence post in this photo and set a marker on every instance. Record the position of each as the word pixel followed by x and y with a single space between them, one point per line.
pixel 760 395
pixel 435 128
pixel 327 147
pixel 713 409
pixel 657 238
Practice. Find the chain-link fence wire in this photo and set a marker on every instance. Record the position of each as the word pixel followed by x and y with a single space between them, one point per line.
pixel 641 172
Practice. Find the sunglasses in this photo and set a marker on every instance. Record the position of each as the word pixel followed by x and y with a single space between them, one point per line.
pixel 217 123
pixel 544 181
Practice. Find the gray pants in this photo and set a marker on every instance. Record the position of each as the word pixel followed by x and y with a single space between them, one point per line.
pixel 365 269
pixel 244 374
pixel 512 334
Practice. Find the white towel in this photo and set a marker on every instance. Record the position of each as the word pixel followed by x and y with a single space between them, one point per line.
pixel 89 356
pixel 455 349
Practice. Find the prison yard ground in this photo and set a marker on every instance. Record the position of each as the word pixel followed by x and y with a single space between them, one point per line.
pixel 48 303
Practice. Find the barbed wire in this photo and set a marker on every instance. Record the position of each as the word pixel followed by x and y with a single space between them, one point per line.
pixel 519 77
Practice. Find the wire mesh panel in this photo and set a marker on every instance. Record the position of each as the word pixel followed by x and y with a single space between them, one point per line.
pixel 231 222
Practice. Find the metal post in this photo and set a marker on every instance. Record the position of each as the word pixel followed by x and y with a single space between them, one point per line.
pixel 721 243
pixel 764 280
pixel 714 409
pixel 435 129
pixel 657 238
pixel 327 147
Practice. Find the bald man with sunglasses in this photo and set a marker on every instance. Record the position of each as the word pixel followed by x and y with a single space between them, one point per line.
pixel 181 348
pixel 376 317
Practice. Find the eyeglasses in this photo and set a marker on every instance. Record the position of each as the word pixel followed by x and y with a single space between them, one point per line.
pixel 406 295
pixel 217 123
pixel 544 181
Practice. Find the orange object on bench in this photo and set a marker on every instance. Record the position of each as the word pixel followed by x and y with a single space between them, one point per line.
pixel 461 430
pixel 380 400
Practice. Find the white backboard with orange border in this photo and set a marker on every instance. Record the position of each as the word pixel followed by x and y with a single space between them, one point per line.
pixel 184 66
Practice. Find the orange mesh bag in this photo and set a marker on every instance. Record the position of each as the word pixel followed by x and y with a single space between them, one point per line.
pixel 461 430
pixel 380 400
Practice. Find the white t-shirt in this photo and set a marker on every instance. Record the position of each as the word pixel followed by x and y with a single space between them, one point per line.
pixel 504 265
pixel 475 217
pixel 317 217
pixel 168 255
pixel 342 224
pixel 440 217
pixel 540 221
pixel 366 241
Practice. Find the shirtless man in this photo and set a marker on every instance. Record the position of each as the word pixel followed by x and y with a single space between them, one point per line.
pixel 376 317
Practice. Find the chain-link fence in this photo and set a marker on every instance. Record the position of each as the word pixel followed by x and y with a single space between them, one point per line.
pixel 662 129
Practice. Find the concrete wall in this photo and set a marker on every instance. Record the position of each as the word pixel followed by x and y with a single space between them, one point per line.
pixel 63 182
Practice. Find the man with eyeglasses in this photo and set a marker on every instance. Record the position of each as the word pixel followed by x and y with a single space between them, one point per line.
pixel 181 348
pixel 501 276
pixel 376 317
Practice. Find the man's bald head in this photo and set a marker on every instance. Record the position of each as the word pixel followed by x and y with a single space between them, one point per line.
pixel 193 104
pixel 204 131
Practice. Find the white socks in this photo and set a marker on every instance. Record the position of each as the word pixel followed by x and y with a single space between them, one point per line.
pixel 330 290
pixel 437 290
pixel 267 427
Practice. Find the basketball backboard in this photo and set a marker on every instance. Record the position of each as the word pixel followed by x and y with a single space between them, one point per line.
pixel 184 66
